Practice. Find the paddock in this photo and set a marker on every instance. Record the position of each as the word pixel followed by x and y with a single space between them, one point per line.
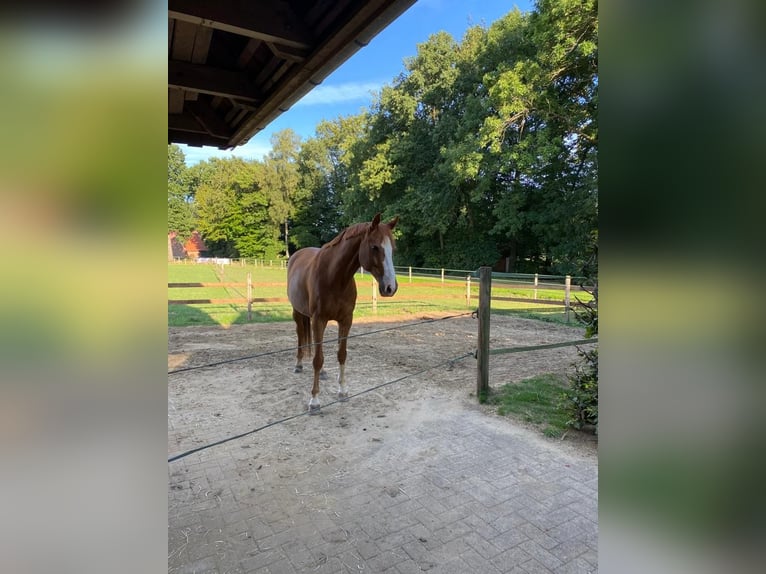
pixel 410 477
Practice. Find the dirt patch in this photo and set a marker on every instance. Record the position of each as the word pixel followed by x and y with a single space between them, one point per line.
pixel 209 404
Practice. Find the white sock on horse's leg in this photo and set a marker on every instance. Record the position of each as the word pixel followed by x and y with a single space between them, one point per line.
pixel 342 387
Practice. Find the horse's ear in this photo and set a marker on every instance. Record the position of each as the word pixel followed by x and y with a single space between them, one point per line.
pixel 375 221
pixel 393 222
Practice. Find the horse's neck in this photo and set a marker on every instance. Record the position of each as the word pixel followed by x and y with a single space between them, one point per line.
pixel 343 261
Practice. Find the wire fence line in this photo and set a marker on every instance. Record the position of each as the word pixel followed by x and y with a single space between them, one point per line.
pixel 450 362
pixel 221 274
pixel 541 279
pixel 325 341
pixel 540 296
pixel 545 280
pixel 543 346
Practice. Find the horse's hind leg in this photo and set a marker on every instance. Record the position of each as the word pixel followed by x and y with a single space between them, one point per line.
pixel 303 329
pixel 318 326
pixel 344 328
pixel 322 373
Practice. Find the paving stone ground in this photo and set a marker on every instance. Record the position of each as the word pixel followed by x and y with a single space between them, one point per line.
pixel 414 477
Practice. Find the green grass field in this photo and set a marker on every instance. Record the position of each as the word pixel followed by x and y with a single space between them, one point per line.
pixel 422 296
pixel 536 401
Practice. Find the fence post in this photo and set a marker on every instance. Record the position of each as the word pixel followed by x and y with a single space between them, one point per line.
pixel 468 291
pixel 442 276
pixel 249 296
pixel 567 290
pixel 482 351
pixel 410 271
pixel 535 285
pixel 374 295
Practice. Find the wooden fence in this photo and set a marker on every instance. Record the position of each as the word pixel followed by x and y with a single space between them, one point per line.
pixel 483 314
pixel 248 298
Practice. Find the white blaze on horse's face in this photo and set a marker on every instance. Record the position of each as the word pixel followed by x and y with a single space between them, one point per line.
pixel 376 255
pixel 387 282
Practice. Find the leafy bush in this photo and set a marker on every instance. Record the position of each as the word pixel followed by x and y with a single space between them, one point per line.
pixel 581 399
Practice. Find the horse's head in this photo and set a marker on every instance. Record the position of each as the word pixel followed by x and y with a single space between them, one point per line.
pixel 376 254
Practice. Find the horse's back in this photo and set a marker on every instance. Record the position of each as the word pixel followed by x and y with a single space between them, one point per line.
pixel 298 272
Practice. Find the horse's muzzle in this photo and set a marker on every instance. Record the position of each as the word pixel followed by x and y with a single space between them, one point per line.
pixel 387 290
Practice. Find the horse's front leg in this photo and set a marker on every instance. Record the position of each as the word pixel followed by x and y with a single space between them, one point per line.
pixel 344 327
pixel 317 328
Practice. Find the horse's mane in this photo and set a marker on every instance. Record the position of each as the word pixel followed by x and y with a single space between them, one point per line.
pixel 348 233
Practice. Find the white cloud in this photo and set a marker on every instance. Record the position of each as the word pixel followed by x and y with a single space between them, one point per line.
pixel 340 93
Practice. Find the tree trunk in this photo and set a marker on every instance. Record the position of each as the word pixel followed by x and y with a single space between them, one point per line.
pixel 287 240
pixel 441 246
pixel 512 256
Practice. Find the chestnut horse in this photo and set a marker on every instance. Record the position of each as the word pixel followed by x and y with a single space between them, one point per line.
pixel 321 288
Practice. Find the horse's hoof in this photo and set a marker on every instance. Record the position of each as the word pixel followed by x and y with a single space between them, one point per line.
pixel 314 409
pixel 322 376
pixel 298 369
pixel 343 397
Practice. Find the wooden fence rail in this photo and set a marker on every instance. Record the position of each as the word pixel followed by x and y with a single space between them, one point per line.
pixel 483 314
pixel 206 284
pixel 248 300
pixel 467 296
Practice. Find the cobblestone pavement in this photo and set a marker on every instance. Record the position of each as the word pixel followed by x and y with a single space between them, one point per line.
pixel 411 477
pixel 435 486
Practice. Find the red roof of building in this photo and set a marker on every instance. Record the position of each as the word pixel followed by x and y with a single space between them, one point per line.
pixel 195 243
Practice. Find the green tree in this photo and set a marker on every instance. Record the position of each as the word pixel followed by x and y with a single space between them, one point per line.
pixel 180 207
pixel 260 236
pixel 233 209
pixel 487 147
pixel 325 168
pixel 280 180
pixel 541 135
pixel 412 164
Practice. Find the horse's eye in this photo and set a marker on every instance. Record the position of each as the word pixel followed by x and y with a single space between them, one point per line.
pixel 375 248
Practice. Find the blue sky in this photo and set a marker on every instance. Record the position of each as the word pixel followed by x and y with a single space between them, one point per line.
pixel 349 88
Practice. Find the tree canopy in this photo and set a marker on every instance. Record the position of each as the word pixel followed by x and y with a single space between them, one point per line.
pixel 485 148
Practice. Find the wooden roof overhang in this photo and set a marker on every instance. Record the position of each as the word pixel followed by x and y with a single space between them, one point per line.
pixel 235 65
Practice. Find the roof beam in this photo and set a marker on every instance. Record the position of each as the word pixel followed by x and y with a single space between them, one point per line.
pixel 196 139
pixel 287 53
pixel 346 37
pixel 214 81
pixel 209 119
pixel 175 101
pixel 269 21
pixel 184 123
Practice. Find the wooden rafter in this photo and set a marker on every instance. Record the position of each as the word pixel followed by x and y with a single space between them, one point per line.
pixel 235 65
pixel 269 21
pixel 209 119
pixel 214 81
